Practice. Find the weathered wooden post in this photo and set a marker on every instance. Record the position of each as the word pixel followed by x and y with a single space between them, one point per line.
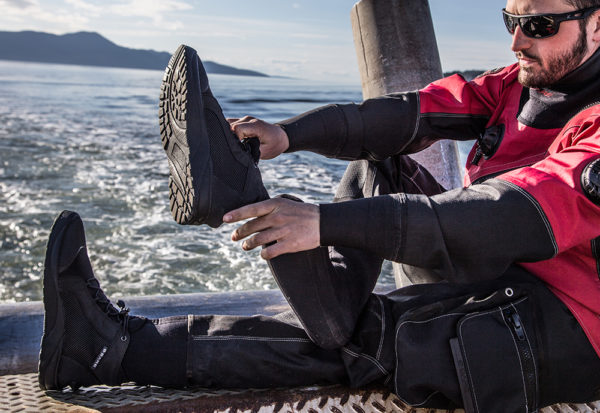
pixel 397 51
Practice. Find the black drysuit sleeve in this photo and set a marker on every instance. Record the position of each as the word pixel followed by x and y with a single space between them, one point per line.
pixel 463 235
pixel 377 128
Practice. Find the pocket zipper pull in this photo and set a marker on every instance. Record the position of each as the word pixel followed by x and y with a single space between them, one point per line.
pixel 515 321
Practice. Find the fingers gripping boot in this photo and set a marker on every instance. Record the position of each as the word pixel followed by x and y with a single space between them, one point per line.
pixel 85 337
pixel 211 171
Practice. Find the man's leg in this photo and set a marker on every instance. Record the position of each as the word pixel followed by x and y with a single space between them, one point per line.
pixel 513 337
pixel 328 287
pixel 502 345
pixel 211 173
pixel 238 352
pixel 87 341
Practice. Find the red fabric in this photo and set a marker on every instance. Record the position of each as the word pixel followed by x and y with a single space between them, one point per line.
pixel 555 182
pixel 547 164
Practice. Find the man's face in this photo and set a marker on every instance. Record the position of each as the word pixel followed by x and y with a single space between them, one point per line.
pixel 544 61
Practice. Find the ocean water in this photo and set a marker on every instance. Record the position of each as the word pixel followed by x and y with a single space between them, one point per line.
pixel 86 139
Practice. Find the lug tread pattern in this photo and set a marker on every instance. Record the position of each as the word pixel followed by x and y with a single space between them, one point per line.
pixel 172 115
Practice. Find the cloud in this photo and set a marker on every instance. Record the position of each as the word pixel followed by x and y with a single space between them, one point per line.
pixel 152 9
pixel 18 4
pixel 77 15
pixel 309 36
pixel 474 54
pixel 29 14
pixel 84 6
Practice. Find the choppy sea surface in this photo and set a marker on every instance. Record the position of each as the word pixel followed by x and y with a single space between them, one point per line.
pixel 86 139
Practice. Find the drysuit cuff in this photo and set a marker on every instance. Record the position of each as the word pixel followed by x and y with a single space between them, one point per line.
pixel 328 130
pixel 371 224
pixel 298 141
pixel 375 129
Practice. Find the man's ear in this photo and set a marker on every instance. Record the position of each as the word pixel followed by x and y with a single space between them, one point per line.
pixel 594 27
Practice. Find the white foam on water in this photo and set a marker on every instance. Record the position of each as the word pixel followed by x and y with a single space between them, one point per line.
pixel 88 141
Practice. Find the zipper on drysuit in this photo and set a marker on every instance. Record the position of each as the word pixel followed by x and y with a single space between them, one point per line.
pixel 589 105
pixel 525 355
pixel 515 322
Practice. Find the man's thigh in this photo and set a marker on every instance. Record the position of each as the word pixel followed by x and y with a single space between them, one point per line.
pixel 503 345
pixel 400 173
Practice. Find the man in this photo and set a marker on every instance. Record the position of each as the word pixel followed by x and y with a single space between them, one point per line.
pixel 512 323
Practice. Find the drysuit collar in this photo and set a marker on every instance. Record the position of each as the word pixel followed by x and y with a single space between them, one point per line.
pixel 581 77
pixel 552 107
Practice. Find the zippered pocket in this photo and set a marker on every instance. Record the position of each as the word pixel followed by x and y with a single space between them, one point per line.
pixel 495 359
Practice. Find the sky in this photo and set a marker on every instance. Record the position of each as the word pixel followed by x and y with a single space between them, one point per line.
pixel 297 38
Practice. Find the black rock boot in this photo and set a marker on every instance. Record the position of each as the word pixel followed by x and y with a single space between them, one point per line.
pixel 211 171
pixel 85 336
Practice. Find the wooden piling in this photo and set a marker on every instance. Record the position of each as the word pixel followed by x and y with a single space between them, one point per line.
pixel 397 51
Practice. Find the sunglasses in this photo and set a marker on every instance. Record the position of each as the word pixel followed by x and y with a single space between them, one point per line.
pixel 539 26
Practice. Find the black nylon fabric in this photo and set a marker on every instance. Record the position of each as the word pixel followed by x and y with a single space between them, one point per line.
pixel 157 353
pixel 417 364
pixel 428 316
pixel 328 287
pixel 343 131
pixel 230 172
pixel 401 340
pixel 346 131
pixel 441 232
pixel 452 225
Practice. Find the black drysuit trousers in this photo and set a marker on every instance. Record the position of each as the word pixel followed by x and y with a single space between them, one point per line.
pixel 498 346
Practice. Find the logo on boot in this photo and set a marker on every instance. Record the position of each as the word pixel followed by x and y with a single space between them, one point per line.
pixel 99 357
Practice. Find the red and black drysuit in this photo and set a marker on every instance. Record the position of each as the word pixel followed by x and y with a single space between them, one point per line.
pixel 531 193
pixel 492 335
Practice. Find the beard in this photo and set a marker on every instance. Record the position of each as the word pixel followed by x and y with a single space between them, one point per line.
pixel 557 65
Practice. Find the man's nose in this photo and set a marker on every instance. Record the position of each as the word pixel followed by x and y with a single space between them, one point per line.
pixel 519 40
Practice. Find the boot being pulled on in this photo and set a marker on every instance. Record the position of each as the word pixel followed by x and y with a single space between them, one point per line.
pixel 85 337
pixel 211 171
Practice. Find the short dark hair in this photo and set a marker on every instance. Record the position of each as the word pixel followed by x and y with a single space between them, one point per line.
pixel 583 4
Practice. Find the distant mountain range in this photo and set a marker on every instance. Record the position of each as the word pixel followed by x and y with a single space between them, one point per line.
pixel 91 49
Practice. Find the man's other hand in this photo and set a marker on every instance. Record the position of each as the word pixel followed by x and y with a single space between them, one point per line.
pixel 273 139
pixel 294 225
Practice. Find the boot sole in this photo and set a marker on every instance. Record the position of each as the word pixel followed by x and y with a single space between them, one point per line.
pixel 185 140
pixel 54 327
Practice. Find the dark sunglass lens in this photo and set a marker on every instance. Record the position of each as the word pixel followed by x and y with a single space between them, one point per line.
pixel 510 23
pixel 538 26
pixel 549 26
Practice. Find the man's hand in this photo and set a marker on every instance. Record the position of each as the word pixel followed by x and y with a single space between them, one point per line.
pixel 294 225
pixel 273 139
